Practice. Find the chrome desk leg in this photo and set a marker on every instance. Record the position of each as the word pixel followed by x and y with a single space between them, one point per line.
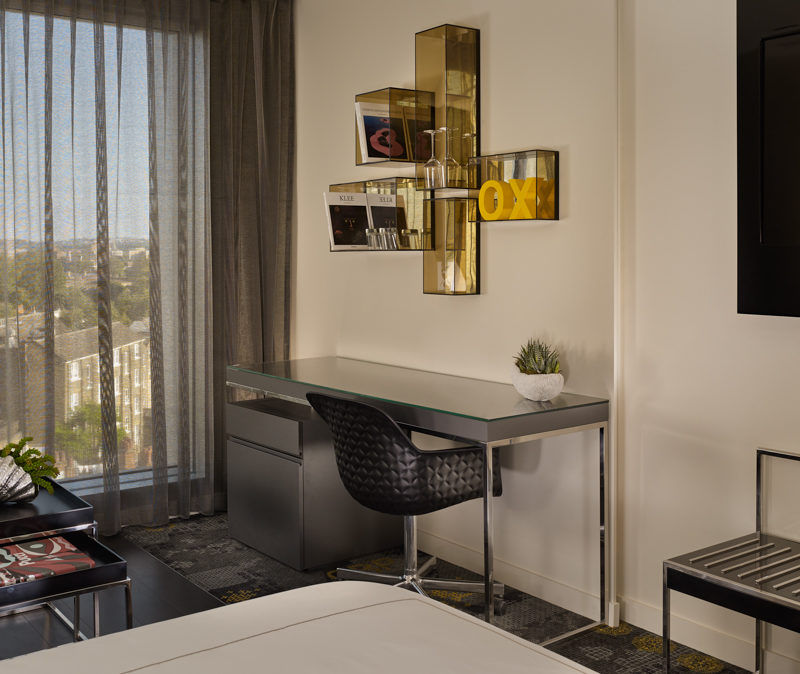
pixel 665 625
pixel 76 619
pixel 603 529
pixel 128 604
pixel 488 533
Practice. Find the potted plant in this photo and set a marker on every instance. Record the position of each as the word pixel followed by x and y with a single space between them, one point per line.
pixel 537 374
pixel 23 471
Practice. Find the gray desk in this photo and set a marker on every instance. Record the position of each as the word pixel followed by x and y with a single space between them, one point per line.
pixel 472 410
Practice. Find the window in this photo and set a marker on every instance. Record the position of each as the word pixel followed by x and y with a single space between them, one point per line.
pixel 51 83
pixel 136 405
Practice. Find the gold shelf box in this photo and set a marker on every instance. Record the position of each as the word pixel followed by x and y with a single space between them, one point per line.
pixel 403 213
pixel 447 64
pixel 541 165
pixel 390 125
pixel 451 266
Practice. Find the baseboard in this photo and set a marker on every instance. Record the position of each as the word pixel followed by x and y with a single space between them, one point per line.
pixel 728 647
pixel 704 638
pixel 775 663
pixel 527 580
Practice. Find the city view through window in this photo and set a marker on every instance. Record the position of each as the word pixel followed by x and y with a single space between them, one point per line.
pixel 72 372
pixel 76 360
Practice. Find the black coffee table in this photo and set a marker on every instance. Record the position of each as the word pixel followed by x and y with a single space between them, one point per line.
pixel 61 514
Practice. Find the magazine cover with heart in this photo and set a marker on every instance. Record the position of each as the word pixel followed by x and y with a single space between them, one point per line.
pixel 40 558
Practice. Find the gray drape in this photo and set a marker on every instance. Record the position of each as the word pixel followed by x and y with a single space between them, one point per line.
pixel 105 304
pixel 252 118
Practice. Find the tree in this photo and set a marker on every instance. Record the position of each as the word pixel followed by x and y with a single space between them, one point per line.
pixel 78 309
pixel 81 436
pixel 22 277
pixel 132 304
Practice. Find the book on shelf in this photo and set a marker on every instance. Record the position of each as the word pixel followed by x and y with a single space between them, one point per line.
pixel 380 136
pixel 386 210
pixel 348 220
pixel 40 558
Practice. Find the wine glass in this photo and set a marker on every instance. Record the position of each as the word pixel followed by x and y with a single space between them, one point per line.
pixel 433 169
pixel 452 169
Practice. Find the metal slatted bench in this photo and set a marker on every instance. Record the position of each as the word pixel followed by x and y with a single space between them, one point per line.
pixel 757 574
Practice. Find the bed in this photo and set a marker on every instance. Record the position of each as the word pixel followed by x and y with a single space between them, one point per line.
pixel 346 627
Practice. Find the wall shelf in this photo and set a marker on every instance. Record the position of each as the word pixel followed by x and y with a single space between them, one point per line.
pixel 391 129
pixel 539 165
pixel 390 126
pixel 404 213
pixel 447 63
pixel 450 267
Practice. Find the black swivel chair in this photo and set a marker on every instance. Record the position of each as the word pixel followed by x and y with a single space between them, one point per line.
pixel 383 470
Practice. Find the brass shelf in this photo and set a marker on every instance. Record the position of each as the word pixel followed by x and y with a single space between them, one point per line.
pixel 515 185
pixel 390 125
pixel 450 267
pixel 447 64
pixel 403 213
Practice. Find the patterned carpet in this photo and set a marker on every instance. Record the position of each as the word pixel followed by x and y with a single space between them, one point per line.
pixel 201 550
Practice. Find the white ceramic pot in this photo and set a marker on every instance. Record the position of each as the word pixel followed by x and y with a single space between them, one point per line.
pixel 537 386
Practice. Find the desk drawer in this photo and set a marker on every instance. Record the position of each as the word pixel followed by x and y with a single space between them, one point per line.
pixel 268 422
pixel 109 568
pixel 265 502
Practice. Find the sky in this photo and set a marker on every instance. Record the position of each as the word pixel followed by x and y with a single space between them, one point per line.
pixel 74 138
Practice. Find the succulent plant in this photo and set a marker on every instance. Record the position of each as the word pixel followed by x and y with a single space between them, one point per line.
pixel 39 466
pixel 536 357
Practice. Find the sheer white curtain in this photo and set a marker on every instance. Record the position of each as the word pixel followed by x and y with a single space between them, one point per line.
pixel 105 307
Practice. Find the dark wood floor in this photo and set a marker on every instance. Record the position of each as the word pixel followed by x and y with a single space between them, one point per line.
pixel 159 593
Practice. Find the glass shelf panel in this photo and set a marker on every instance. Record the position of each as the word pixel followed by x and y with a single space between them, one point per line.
pixel 447 65
pixel 395 204
pixel 540 165
pixel 451 267
pixel 390 126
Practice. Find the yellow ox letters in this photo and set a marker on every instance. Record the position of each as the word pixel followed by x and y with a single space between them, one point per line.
pixel 513 200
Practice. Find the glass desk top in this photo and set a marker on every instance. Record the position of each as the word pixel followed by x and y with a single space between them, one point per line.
pixel 462 396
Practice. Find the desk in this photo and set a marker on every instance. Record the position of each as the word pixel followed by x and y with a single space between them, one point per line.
pixel 486 413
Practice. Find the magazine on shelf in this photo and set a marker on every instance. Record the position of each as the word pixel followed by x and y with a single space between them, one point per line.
pixel 348 220
pixel 32 560
pixel 380 137
pixel 386 210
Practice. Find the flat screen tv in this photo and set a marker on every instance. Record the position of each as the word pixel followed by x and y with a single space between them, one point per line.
pixel 768 94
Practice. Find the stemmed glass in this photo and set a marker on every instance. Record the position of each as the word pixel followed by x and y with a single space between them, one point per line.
pixel 452 169
pixel 433 169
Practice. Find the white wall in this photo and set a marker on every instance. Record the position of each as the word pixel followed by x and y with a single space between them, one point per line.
pixel 703 386
pixel 548 76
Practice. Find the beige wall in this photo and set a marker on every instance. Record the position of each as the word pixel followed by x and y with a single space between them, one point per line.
pixel 701 385
pixel 548 75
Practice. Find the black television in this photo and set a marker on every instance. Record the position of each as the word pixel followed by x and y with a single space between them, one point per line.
pixel 768 102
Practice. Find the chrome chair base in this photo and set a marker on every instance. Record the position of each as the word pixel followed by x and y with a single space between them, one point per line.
pixel 413 576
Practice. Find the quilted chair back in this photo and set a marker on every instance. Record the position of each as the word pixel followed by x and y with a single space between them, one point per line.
pixel 383 470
